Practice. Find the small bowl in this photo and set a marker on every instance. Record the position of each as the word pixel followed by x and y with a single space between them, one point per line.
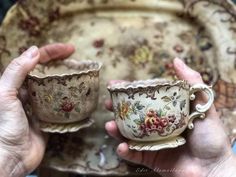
pixel 64 91
pixel 153 113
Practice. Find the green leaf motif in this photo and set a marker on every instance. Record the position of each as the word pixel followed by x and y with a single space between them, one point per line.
pixel 67 115
pixel 182 104
pixel 137 121
pixel 136 103
pixel 138 106
pixel 161 113
pixel 166 99
pixel 56 109
pixel 77 109
pixel 59 94
pixel 167 107
pixel 134 110
pixel 142 116
pixel 174 103
pixel 75 95
pixel 178 97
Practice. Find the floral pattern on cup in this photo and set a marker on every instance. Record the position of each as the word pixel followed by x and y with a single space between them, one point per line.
pixel 150 120
pixel 157 109
pixel 67 106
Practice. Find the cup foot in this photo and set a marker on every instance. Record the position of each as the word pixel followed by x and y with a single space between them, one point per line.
pixel 65 128
pixel 157 145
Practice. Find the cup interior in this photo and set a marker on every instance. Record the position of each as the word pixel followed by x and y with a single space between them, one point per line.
pixel 65 67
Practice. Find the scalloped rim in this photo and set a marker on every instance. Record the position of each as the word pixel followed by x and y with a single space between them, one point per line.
pixel 81 72
pixel 144 84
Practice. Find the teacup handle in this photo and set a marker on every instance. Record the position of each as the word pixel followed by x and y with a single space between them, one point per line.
pixel 200 109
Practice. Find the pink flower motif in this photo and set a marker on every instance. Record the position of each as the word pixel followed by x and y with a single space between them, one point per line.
pixel 153 127
pixel 67 106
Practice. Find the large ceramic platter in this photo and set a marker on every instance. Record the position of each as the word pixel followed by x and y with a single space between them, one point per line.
pixel 135 39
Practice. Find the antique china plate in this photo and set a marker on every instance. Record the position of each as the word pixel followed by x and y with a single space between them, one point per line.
pixel 135 39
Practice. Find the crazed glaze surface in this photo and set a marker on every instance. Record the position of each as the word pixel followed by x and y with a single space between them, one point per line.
pixel 154 110
pixel 147 112
pixel 135 39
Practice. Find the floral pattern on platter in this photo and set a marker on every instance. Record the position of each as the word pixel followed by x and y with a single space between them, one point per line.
pixel 188 46
pixel 142 56
pixel 151 120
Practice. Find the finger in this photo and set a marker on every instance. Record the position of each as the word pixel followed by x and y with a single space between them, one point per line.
pixel 113 131
pixel 149 159
pixel 23 95
pixel 137 157
pixel 108 105
pixel 40 141
pixel 186 73
pixel 112 82
pixel 192 77
pixel 55 51
pixel 16 71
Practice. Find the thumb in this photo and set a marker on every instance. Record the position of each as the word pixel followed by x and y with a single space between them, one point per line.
pixel 192 77
pixel 186 73
pixel 15 73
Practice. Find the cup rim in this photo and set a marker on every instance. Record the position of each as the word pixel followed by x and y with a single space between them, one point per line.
pixel 139 85
pixel 72 63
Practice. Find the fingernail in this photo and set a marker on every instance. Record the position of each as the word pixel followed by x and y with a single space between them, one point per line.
pixel 108 125
pixel 122 149
pixel 179 63
pixel 71 46
pixel 31 52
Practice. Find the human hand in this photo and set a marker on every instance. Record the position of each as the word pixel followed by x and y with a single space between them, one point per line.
pixel 21 144
pixel 207 151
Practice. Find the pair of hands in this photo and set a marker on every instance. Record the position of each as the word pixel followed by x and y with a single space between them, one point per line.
pixel 22 145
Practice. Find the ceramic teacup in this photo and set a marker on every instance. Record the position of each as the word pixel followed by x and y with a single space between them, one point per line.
pixel 153 113
pixel 64 91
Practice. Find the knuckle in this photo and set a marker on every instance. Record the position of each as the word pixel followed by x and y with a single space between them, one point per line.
pixel 7 95
pixel 16 64
pixel 196 75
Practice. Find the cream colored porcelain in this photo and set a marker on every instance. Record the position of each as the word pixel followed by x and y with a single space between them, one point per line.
pixel 56 97
pixel 156 112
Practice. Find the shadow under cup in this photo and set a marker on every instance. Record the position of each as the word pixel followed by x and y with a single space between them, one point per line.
pixel 64 91
pixel 156 110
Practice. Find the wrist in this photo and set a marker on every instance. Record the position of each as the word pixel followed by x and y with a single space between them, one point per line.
pixel 11 166
pixel 226 167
